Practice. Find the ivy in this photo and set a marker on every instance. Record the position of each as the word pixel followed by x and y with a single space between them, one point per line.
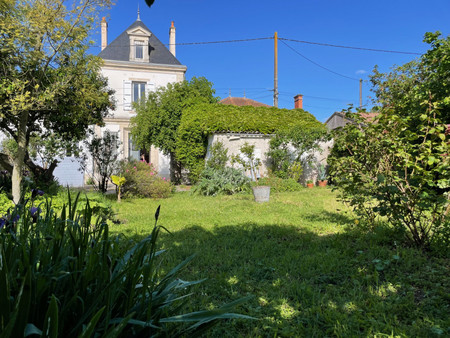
pixel 202 120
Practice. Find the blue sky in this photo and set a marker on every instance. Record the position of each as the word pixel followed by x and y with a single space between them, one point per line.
pixel 248 67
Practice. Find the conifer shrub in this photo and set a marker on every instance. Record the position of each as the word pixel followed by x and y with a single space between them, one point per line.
pixel 142 180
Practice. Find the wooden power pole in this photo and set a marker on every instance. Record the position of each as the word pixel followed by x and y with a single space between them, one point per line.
pixel 360 93
pixel 275 73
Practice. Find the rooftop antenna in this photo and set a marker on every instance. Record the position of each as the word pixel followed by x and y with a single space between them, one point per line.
pixel 139 14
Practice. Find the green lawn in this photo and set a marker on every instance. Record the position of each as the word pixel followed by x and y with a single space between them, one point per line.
pixel 312 272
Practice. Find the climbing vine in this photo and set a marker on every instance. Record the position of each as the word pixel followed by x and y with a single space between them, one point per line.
pixel 202 120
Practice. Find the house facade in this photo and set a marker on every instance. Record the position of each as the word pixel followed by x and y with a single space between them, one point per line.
pixel 136 62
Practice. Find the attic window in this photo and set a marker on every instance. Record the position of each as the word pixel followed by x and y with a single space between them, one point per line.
pixel 139 52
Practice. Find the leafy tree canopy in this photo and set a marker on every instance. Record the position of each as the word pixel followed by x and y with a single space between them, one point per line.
pixel 158 117
pixel 48 82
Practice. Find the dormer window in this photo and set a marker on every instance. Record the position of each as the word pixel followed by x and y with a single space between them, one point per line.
pixel 139 40
pixel 139 45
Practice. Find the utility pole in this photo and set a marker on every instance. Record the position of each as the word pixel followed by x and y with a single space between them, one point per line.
pixel 275 73
pixel 360 93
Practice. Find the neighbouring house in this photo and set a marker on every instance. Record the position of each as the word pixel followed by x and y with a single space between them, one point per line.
pixel 242 101
pixel 338 119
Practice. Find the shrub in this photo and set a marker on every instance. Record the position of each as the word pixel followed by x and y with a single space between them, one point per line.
pixel 62 276
pixel 402 176
pixel 226 181
pixel 293 148
pixel 279 184
pixel 142 181
pixel 219 156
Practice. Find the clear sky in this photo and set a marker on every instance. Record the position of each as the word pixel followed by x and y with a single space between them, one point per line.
pixel 248 67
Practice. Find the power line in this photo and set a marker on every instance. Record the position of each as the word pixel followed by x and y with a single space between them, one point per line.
pixel 317 97
pixel 318 65
pixel 350 47
pixel 284 39
pixel 223 41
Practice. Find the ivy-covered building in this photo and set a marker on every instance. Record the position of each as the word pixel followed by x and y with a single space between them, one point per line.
pixel 203 125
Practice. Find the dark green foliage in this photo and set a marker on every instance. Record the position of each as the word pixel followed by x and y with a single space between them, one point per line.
pixel 63 276
pixel 142 181
pixel 201 120
pixel 278 184
pixel 398 166
pixel 158 117
pixel 219 156
pixel 225 181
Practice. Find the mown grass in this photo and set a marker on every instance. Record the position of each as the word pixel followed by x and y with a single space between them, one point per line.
pixel 312 271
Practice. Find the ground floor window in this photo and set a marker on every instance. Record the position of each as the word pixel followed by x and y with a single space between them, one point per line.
pixel 133 150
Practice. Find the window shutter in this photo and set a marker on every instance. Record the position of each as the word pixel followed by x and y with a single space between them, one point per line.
pixel 150 87
pixel 126 95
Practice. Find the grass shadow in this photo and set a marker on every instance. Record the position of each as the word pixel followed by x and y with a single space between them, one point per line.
pixel 307 284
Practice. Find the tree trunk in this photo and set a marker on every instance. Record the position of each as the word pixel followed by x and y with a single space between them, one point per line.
pixel 175 170
pixel 18 163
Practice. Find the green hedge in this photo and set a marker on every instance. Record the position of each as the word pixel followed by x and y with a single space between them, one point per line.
pixel 202 120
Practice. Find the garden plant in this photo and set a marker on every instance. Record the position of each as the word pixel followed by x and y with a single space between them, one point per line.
pixel 64 275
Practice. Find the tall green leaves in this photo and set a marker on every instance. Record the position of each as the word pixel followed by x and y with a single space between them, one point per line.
pixel 62 275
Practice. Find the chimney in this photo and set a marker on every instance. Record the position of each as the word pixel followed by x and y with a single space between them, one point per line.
pixel 104 25
pixel 172 39
pixel 298 101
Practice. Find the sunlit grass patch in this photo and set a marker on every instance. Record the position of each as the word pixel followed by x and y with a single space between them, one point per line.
pixel 312 269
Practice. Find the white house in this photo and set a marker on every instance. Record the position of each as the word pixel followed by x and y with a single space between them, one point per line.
pixel 135 63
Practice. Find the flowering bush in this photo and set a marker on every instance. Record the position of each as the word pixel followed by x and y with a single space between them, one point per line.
pixel 142 181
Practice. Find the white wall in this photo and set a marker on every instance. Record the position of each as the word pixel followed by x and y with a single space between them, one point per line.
pixel 116 78
pixel 234 141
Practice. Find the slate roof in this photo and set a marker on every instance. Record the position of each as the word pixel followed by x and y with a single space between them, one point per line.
pixel 242 101
pixel 119 48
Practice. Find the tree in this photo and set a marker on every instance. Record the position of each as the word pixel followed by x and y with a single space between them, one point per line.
pixel 158 117
pixel 49 85
pixel 398 166
pixel 292 149
pixel 103 152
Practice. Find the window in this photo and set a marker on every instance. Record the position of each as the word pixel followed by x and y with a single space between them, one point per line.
pixel 139 51
pixel 138 91
pixel 133 151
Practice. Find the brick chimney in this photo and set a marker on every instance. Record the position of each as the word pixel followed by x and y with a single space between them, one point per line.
pixel 298 101
pixel 104 26
pixel 172 39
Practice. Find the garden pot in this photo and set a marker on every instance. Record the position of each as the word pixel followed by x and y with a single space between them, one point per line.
pixel 323 183
pixel 310 185
pixel 261 193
